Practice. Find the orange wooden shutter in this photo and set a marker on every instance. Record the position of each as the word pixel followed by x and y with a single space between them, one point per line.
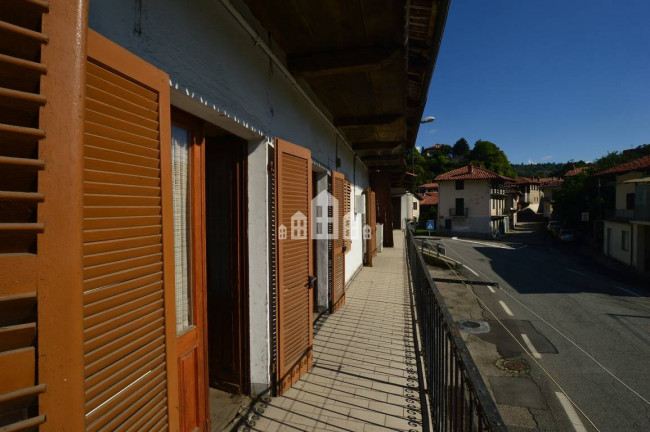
pixel 21 40
pixel 294 263
pixel 127 226
pixel 338 243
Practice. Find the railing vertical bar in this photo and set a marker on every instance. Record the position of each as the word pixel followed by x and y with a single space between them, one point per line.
pixel 445 399
pixel 459 400
pixel 471 412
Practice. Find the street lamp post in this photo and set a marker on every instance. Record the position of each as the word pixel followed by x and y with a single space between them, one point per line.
pixel 427 119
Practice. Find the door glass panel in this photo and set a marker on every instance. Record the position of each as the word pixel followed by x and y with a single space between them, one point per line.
pixel 181 199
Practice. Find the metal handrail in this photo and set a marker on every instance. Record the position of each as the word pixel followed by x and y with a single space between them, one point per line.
pixel 459 398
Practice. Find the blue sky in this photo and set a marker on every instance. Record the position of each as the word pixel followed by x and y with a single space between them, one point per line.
pixel 543 80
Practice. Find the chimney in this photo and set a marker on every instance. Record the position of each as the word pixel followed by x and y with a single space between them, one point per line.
pixel 470 169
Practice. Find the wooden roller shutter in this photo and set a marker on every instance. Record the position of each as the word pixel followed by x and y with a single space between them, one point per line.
pixel 338 242
pixel 21 70
pixel 127 267
pixel 294 263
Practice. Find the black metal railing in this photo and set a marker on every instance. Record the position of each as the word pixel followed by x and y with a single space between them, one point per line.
pixel 458 397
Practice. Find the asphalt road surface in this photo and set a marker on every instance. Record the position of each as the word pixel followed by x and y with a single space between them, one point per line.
pixel 584 330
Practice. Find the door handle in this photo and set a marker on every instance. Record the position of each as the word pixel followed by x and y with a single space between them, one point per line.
pixel 311 281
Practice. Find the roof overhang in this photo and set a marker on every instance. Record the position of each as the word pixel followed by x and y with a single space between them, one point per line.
pixel 368 67
pixel 638 180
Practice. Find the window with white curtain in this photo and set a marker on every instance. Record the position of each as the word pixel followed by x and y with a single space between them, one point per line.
pixel 182 243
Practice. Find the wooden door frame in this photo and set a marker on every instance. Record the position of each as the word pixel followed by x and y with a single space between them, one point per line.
pixel 198 280
pixel 242 270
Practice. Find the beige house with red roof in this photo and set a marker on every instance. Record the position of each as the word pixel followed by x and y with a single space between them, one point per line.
pixel 472 202
pixel 428 187
pixel 531 192
pixel 627 228
pixel 548 186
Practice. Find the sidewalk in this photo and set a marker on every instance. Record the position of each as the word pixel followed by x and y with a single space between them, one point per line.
pixel 365 374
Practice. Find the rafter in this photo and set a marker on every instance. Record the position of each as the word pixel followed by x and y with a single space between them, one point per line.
pixel 377 145
pixel 378 120
pixel 342 62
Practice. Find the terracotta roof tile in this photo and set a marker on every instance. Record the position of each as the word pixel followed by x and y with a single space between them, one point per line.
pixel 575 171
pixel 429 198
pixel 471 172
pixel 428 185
pixel 527 180
pixel 636 164
pixel 551 181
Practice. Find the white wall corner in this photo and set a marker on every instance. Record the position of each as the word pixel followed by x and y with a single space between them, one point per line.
pixel 258 267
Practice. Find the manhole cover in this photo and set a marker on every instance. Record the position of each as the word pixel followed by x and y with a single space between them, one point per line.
pixel 474 327
pixel 514 366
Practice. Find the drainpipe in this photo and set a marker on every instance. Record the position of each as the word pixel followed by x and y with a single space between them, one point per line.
pixel 267 50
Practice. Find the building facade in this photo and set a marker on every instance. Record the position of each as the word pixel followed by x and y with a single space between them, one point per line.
pixel 548 186
pixel 626 236
pixel 472 202
pixel 158 167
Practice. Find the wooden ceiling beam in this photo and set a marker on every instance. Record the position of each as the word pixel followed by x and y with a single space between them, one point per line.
pixel 385 145
pixel 342 62
pixel 367 121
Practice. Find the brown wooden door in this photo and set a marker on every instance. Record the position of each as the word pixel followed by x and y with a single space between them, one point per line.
pixel 128 264
pixel 294 263
pixel 338 242
pixel 189 215
pixel 226 264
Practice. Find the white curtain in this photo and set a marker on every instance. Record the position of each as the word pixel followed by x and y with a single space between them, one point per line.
pixel 181 191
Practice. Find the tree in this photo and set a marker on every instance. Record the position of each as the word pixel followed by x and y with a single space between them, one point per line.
pixel 461 149
pixel 492 157
pixel 578 193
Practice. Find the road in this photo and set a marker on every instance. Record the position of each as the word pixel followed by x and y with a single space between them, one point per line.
pixel 584 331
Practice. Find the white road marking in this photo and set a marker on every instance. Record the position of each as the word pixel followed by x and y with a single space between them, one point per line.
pixel 494 245
pixel 570 412
pixel 506 308
pixel 576 271
pixel 530 346
pixel 475 274
pixel 627 291
pixel 491 289
pixel 572 342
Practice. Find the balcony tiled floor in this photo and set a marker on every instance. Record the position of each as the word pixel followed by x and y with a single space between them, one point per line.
pixel 365 373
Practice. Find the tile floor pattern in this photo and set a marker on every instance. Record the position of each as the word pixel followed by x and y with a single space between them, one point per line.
pixel 365 376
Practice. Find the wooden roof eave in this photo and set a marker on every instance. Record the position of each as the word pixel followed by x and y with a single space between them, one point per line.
pixel 417 60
